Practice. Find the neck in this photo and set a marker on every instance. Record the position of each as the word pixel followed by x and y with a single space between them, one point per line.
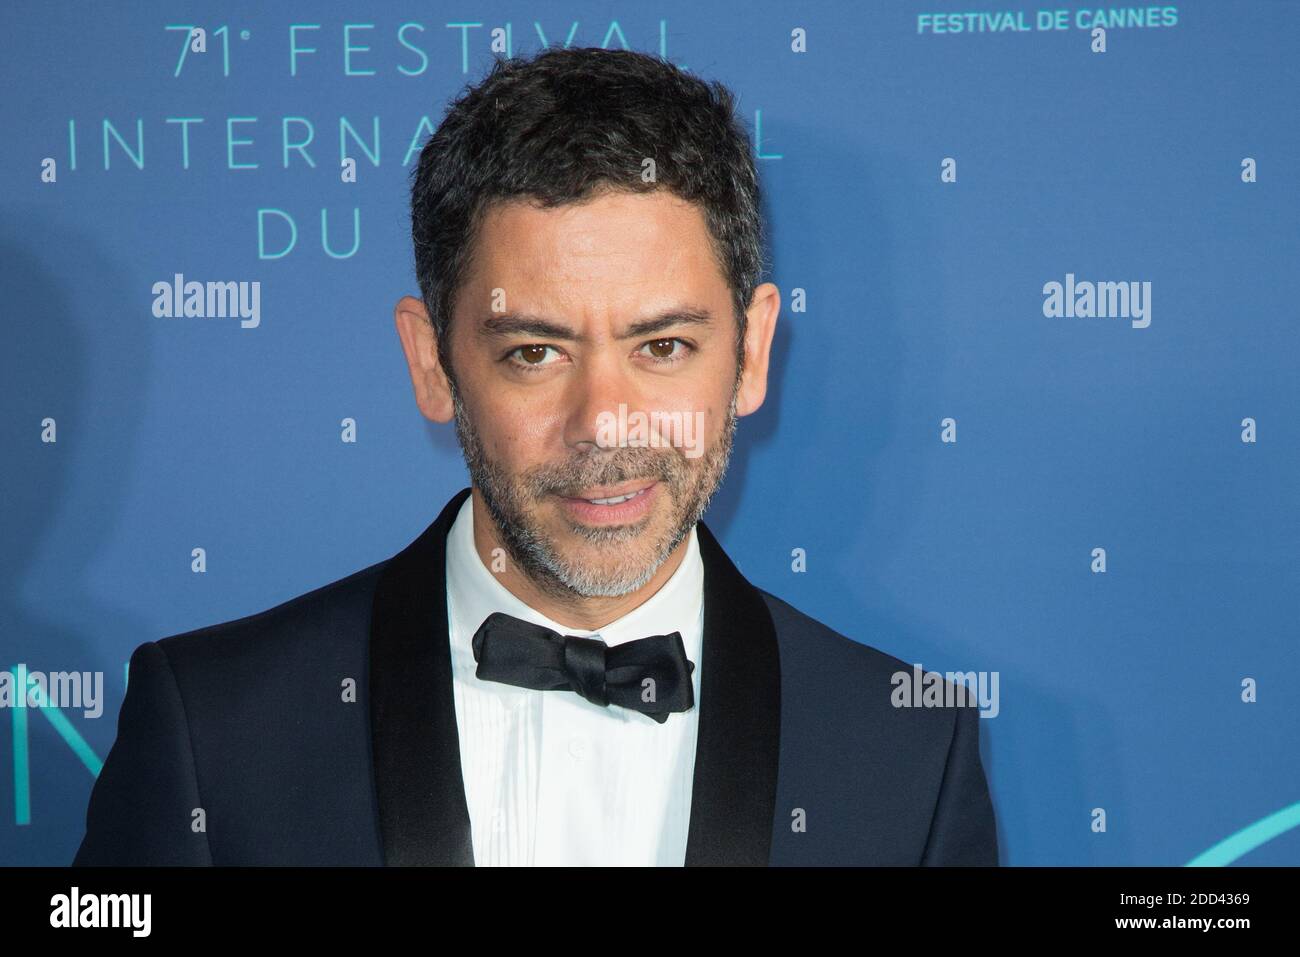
pixel 571 610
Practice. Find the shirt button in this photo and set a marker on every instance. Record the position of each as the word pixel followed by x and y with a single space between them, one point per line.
pixel 578 748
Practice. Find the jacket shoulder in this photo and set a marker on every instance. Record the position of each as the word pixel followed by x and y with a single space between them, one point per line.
pixel 335 612
pixel 839 673
pixel 846 691
pixel 822 641
pixel 231 718
pixel 839 705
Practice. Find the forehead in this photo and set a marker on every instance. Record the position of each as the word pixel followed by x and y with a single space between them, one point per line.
pixel 614 246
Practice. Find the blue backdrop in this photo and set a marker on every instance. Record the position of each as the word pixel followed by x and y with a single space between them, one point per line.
pixel 1100 509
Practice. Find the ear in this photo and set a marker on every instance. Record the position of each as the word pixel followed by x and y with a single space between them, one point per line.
pixel 759 326
pixel 420 343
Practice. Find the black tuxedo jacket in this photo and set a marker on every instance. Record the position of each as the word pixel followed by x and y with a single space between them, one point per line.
pixel 236 743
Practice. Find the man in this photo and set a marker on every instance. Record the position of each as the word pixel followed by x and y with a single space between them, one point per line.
pixel 565 667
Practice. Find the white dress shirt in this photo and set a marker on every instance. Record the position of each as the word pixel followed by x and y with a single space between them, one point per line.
pixel 550 778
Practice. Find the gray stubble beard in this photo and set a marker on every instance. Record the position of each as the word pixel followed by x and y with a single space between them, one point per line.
pixel 690 490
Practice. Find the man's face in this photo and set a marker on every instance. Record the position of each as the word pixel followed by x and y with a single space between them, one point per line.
pixel 565 315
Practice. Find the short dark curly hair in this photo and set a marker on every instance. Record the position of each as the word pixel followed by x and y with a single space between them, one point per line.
pixel 565 124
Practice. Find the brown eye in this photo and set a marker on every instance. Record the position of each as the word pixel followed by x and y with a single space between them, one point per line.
pixel 531 358
pixel 662 348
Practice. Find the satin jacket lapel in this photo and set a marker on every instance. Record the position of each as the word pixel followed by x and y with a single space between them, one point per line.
pixel 738 741
pixel 419 786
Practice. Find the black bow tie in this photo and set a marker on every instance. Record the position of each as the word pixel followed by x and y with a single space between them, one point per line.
pixel 651 675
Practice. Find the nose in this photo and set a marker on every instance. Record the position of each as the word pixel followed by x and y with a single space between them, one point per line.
pixel 594 396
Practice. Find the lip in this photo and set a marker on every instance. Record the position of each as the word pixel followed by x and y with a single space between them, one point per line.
pixel 612 491
pixel 621 514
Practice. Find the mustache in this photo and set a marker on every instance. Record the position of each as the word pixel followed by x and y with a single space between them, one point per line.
pixel 572 476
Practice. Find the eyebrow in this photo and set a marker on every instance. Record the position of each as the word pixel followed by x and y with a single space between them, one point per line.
pixel 512 324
